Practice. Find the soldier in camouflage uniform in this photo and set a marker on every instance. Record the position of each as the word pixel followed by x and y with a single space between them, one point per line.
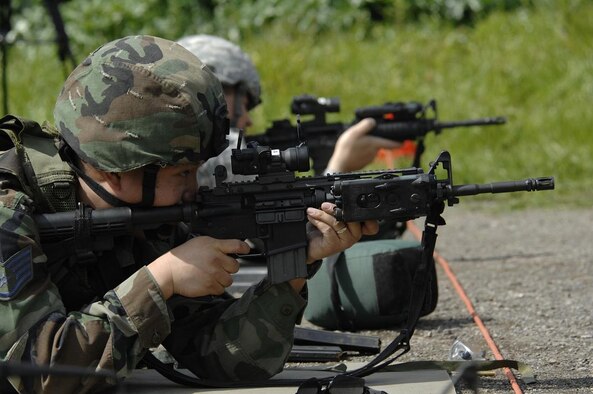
pixel 134 121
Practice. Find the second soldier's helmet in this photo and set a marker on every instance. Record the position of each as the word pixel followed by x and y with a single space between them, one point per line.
pixel 230 64
pixel 142 100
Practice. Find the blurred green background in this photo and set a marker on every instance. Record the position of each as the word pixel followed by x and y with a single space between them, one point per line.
pixel 531 61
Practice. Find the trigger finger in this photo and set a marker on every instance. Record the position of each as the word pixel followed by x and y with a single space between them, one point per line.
pixel 230 265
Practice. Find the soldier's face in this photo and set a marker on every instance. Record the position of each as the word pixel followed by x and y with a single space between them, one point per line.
pixel 243 121
pixel 175 184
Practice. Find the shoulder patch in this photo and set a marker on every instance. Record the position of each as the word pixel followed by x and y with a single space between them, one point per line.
pixel 15 273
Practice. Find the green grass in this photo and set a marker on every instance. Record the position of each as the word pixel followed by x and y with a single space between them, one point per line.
pixel 534 66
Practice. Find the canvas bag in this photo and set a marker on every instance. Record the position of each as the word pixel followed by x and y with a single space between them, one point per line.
pixel 368 286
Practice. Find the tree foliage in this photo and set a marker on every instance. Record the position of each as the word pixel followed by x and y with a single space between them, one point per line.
pixel 92 22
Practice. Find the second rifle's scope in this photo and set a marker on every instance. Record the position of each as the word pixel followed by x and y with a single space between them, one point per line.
pixel 398 111
pixel 258 159
pixel 310 105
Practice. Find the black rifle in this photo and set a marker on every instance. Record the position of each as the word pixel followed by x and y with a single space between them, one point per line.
pixel 272 208
pixel 399 121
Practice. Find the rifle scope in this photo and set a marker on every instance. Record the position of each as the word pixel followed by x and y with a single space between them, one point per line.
pixel 311 105
pixel 398 111
pixel 258 159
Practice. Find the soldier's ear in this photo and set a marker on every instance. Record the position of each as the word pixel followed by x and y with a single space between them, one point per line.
pixel 113 179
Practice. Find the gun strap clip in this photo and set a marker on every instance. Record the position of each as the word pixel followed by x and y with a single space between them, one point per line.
pixel 82 230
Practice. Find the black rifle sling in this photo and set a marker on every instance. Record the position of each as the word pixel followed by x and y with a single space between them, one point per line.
pixel 418 293
pixel 418 152
pixel 400 344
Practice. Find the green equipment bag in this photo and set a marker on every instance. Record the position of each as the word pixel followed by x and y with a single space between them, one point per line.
pixel 368 286
pixel 29 152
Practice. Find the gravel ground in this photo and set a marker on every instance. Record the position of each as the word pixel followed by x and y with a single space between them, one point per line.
pixel 529 275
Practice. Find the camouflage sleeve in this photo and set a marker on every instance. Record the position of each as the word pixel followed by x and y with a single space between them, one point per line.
pixel 245 339
pixel 112 333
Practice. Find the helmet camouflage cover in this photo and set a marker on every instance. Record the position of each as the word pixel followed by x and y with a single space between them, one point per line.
pixel 142 100
pixel 229 63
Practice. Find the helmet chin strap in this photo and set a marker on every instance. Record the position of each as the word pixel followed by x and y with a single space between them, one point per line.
pixel 149 185
pixel 148 182
pixel 240 93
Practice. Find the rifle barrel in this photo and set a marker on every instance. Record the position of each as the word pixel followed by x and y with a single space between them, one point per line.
pixel 530 184
pixel 411 130
pixel 472 122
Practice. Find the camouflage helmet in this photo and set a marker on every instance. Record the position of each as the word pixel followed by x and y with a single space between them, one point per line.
pixel 142 100
pixel 229 63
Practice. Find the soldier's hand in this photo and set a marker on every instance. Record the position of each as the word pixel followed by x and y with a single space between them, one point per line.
pixel 201 266
pixel 328 236
pixel 356 148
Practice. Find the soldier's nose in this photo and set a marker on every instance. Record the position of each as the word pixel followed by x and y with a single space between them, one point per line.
pixel 189 195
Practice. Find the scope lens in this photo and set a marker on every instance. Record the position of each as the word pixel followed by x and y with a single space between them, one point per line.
pixel 296 159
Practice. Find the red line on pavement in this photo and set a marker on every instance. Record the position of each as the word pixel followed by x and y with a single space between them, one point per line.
pixel 411 226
